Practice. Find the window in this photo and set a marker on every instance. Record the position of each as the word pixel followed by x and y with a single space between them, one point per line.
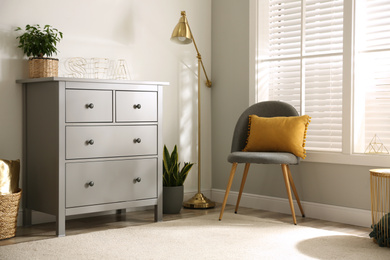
pixel 302 64
pixel 372 82
pixel 307 57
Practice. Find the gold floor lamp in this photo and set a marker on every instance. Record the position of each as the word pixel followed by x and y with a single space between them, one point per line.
pixel 182 35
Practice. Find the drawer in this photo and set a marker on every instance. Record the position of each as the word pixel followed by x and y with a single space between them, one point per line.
pixel 110 141
pixel 136 106
pixel 88 105
pixel 92 183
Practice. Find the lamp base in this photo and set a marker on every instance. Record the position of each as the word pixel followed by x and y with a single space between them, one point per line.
pixel 199 201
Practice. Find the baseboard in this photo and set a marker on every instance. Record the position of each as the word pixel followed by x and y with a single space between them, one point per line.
pixel 352 216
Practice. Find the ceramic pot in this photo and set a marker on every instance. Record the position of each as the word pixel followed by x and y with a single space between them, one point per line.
pixel 172 199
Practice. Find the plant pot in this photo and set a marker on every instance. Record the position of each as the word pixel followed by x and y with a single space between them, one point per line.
pixel 42 67
pixel 172 199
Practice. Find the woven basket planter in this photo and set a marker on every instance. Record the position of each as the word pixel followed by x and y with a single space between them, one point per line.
pixel 9 207
pixel 42 67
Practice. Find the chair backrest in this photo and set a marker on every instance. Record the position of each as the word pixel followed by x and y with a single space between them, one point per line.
pixel 262 109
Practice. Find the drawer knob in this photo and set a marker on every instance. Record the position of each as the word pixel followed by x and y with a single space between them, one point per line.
pixel 90 184
pixel 138 179
pixel 90 105
pixel 137 140
pixel 137 106
pixel 90 142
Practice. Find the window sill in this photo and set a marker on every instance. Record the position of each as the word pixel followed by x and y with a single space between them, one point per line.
pixel 348 159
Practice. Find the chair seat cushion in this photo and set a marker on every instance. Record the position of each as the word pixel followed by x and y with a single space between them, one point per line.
pixel 263 157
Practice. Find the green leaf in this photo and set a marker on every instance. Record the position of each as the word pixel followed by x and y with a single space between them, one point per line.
pixel 186 169
pixel 172 174
pixel 39 42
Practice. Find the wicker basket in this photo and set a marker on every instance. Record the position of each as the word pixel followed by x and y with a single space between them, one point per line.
pixel 9 207
pixel 42 67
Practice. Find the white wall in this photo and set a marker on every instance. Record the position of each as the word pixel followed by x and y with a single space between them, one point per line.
pixel 137 31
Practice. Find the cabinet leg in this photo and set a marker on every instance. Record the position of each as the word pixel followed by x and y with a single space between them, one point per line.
pixel 60 222
pixel 120 211
pixel 158 213
pixel 120 214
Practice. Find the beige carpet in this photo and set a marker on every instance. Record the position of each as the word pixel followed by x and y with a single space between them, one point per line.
pixel 235 237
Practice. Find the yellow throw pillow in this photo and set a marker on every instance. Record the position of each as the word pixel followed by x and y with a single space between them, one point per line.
pixel 277 134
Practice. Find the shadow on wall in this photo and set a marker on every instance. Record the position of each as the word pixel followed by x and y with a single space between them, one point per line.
pixel 10 71
pixel 9 43
pixel 13 64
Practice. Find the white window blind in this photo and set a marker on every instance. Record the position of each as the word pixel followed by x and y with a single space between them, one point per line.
pixel 372 75
pixel 284 28
pixel 300 63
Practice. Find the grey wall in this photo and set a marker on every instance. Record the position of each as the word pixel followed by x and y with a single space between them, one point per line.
pixel 230 67
pixel 332 184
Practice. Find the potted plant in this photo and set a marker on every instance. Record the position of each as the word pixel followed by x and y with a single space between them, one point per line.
pixel 173 180
pixel 39 44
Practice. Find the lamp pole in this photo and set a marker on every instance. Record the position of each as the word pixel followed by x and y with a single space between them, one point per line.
pixel 182 34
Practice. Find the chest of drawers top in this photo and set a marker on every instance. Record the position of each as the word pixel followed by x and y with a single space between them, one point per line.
pixel 89 83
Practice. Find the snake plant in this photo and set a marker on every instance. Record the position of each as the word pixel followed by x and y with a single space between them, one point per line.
pixel 172 174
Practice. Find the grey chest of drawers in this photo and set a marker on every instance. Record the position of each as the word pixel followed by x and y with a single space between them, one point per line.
pixel 90 146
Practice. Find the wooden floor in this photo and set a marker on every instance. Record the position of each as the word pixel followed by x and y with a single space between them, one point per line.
pixel 96 223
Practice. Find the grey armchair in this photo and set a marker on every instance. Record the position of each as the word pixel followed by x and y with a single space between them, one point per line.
pixel 261 109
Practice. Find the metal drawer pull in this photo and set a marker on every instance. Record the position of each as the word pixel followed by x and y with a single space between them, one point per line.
pixel 137 140
pixel 90 184
pixel 90 105
pixel 91 142
pixel 138 179
pixel 137 106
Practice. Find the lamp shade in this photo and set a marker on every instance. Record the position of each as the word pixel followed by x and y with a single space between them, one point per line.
pixel 182 33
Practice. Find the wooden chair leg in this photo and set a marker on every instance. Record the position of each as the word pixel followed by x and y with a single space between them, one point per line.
pixel 242 185
pixel 295 191
pixel 233 170
pixel 287 182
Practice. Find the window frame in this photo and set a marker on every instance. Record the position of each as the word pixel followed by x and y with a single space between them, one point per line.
pixel 346 156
